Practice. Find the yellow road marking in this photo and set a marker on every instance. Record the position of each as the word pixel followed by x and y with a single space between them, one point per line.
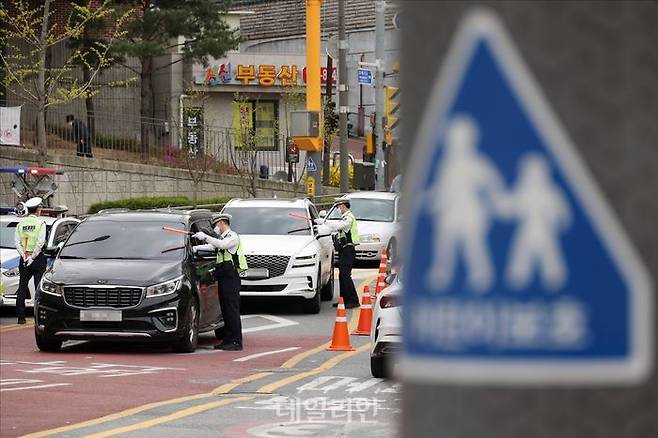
pixel 167 418
pixel 14 327
pixel 271 387
pixel 223 389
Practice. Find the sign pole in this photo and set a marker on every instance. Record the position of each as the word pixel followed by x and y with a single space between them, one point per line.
pixel 313 88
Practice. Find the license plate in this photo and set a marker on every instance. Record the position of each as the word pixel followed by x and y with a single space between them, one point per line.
pixel 101 315
pixel 256 273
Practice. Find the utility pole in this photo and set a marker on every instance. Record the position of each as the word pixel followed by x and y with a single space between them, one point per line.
pixel 380 9
pixel 342 97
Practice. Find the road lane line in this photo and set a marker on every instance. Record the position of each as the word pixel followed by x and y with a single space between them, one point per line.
pixel 22 388
pixel 223 389
pixel 271 387
pixel 266 353
pixel 167 418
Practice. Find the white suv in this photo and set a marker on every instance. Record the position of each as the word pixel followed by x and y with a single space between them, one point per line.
pixel 285 255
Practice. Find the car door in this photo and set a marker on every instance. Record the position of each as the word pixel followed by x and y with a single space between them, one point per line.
pixel 204 274
pixel 326 248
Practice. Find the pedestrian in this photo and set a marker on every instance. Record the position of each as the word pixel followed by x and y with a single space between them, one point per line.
pixel 231 261
pixel 81 136
pixel 30 237
pixel 345 243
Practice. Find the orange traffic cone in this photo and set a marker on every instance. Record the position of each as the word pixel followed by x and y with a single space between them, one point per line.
pixel 383 268
pixel 341 339
pixel 365 315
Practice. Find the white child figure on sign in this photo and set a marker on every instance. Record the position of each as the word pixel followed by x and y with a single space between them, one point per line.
pixel 462 201
pixel 542 213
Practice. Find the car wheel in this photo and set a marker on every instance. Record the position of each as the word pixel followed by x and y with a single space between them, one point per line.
pixel 327 292
pixel 379 367
pixel 46 343
pixel 187 344
pixel 312 305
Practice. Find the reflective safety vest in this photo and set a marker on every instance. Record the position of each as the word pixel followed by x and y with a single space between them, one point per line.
pixel 28 232
pixel 238 259
pixel 352 236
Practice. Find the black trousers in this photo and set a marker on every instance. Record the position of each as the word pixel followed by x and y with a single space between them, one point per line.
pixel 35 270
pixel 84 148
pixel 345 262
pixel 229 301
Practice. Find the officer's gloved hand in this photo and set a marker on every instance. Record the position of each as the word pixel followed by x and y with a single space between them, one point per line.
pixel 318 221
pixel 200 236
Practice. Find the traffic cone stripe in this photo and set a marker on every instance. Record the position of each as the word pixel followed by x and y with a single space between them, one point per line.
pixel 366 306
pixel 341 319
pixel 341 307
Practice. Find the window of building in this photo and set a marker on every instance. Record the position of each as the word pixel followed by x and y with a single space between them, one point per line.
pixel 255 125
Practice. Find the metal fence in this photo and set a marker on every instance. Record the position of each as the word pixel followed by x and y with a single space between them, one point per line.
pixel 161 142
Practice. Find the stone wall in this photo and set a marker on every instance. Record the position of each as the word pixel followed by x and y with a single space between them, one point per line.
pixel 87 181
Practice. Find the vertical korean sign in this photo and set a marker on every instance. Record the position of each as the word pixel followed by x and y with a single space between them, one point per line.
pixel 192 139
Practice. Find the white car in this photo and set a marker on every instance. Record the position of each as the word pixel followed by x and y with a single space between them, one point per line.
pixel 286 257
pixel 386 331
pixel 57 231
pixel 378 217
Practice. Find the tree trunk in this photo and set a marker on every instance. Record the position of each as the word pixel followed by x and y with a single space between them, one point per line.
pixel 146 110
pixel 89 105
pixel 41 87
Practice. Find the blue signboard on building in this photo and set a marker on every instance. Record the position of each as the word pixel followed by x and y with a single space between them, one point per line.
pixel 517 270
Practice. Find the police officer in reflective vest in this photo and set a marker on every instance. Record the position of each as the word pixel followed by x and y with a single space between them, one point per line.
pixel 344 243
pixel 30 237
pixel 231 261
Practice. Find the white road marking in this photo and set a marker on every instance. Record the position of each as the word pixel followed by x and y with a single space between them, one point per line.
pixel 277 320
pixel 266 353
pixel 29 382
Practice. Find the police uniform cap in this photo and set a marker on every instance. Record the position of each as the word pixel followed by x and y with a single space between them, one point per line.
pixel 342 201
pixel 33 202
pixel 221 217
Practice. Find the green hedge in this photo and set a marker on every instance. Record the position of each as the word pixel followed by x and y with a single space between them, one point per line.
pixel 153 202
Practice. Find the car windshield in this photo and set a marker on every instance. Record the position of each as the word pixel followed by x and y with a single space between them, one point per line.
pixel 268 220
pixel 375 210
pixel 7 234
pixel 121 239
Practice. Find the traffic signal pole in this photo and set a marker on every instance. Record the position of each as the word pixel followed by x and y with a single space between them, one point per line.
pixel 342 98
pixel 313 91
pixel 380 9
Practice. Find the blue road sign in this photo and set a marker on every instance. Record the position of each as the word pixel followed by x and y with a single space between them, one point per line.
pixel 365 76
pixel 310 165
pixel 517 271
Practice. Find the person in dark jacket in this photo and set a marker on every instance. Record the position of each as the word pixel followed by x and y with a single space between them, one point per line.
pixel 81 136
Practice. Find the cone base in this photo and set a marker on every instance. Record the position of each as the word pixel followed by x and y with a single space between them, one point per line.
pixel 338 348
pixel 361 333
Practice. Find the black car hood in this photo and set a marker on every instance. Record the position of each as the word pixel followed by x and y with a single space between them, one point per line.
pixel 114 272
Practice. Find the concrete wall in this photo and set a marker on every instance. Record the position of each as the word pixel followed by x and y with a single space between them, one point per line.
pixel 87 181
pixel 597 64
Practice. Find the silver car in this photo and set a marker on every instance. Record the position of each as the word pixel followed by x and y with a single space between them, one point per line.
pixel 378 217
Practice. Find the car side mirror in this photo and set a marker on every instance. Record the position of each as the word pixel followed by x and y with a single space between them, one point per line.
pixel 390 278
pixel 52 251
pixel 205 255
pixel 323 214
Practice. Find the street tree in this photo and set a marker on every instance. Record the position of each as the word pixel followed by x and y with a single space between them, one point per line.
pixel 28 33
pixel 193 30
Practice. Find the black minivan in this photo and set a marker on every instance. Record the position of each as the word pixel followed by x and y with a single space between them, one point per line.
pixel 121 276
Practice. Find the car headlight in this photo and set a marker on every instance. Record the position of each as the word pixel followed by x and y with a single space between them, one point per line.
pixel 304 261
pixel 11 272
pixel 51 288
pixel 370 238
pixel 166 288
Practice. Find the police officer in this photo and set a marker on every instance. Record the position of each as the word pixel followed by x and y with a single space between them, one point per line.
pixel 231 261
pixel 30 237
pixel 346 240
